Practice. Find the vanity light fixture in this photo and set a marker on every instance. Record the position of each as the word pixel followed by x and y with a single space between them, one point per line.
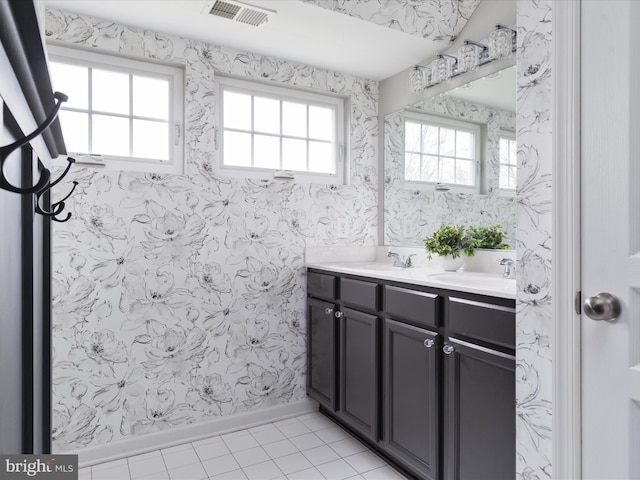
pixel 501 43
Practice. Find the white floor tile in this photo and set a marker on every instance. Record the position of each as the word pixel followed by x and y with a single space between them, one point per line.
pixel 176 449
pixel 141 467
pixel 241 442
pixel 251 456
pixel 211 450
pixel 365 461
pixel 143 457
pixel 348 446
pixel 287 421
pixel 120 472
pixel 263 471
pixel 156 476
pixel 235 475
pixel 294 429
pixel 106 465
pixel 309 416
pixel 333 434
pixel 384 473
pixel 337 470
pixel 206 441
pixel 84 473
pixel 292 463
pixel 319 455
pixel 307 441
pixel 280 449
pixel 194 471
pixel 220 465
pixel 179 458
pixel 308 474
pixel 266 434
pixel 315 424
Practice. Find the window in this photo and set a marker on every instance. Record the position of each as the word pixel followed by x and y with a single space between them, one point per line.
pixel 439 150
pixel 267 129
pixel 508 161
pixel 129 112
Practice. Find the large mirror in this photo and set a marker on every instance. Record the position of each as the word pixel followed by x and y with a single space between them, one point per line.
pixel 451 158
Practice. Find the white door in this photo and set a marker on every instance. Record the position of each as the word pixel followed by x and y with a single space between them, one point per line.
pixel 610 150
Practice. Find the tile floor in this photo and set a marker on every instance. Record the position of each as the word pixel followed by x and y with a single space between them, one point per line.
pixel 307 447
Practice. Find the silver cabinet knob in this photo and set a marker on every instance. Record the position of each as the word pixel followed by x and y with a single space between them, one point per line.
pixel 328 311
pixel 428 343
pixel 603 306
pixel 339 314
pixel 448 349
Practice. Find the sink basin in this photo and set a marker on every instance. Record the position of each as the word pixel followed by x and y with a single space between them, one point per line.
pixel 485 281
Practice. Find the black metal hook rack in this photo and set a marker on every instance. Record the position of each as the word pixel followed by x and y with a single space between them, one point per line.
pixel 7 150
pixel 57 207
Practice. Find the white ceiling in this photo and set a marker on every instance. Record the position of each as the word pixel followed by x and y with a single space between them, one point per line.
pixel 300 31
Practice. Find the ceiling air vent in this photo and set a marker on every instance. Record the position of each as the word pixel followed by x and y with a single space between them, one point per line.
pixel 239 12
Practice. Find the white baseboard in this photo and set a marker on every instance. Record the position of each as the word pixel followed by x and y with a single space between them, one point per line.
pixel 189 433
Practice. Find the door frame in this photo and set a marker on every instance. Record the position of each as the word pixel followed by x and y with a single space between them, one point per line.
pixel 566 341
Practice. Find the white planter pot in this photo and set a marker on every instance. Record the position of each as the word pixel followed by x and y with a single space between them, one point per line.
pixel 487 261
pixel 450 264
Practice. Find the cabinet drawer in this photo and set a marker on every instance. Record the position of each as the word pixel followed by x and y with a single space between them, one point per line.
pixel 411 305
pixel 321 285
pixel 483 321
pixel 359 293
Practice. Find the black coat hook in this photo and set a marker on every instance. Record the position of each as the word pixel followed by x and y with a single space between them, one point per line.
pixel 9 149
pixel 57 207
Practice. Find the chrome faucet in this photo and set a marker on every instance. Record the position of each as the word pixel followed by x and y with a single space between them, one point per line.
pixel 402 262
pixel 509 267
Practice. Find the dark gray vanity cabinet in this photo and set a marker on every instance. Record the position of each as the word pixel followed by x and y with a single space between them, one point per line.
pixel 479 430
pixel 411 401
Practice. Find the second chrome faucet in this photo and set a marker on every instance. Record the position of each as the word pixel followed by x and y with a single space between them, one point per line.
pixel 398 261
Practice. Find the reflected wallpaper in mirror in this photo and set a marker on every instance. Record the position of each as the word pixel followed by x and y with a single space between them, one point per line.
pixel 412 214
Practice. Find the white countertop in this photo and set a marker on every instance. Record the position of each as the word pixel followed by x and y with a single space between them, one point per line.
pixel 490 284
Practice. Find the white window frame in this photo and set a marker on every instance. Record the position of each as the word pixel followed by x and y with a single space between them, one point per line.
pixel 282 93
pixel 175 76
pixel 511 136
pixel 442 122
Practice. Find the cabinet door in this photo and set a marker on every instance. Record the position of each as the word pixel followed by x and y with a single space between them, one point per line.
pixel 480 431
pixel 359 372
pixel 321 352
pixel 411 397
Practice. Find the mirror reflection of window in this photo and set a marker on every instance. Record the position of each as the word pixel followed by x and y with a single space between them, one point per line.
pixel 439 150
pixel 508 161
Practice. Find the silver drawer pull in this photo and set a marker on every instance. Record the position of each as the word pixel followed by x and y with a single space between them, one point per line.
pixel 339 314
pixel 448 349
pixel 428 343
pixel 328 311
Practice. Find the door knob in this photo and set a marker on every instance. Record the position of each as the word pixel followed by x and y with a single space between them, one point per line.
pixel 448 349
pixel 603 306
pixel 428 343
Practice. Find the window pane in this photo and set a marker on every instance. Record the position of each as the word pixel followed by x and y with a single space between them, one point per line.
pixel 504 150
pixel 110 91
pixel 447 142
pixel 237 110
pixel 266 151
pixel 430 139
pixel 447 170
pixel 266 115
pixel 464 172
pixel 412 167
pixel 72 80
pixel 513 177
pixel 320 157
pixel 151 139
pixel 513 154
pixel 294 154
pixel 464 145
pixel 75 129
pixel 507 177
pixel 429 168
pixel 110 135
pixel 320 123
pixel 412 137
pixel 150 97
pixel 237 149
pixel 294 119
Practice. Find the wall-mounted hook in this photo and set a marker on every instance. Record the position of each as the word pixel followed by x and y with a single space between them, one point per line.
pixel 9 149
pixel 57 207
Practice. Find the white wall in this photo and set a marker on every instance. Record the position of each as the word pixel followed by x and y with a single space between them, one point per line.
pixel 179 299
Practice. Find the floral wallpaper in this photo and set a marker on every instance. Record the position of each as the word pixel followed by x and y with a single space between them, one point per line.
pixel 179 298
pixel 412 215
pixel 435 19
pixel 534 232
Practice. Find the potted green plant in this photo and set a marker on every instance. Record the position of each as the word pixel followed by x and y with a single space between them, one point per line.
pixel 488 245
pixel 449 242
